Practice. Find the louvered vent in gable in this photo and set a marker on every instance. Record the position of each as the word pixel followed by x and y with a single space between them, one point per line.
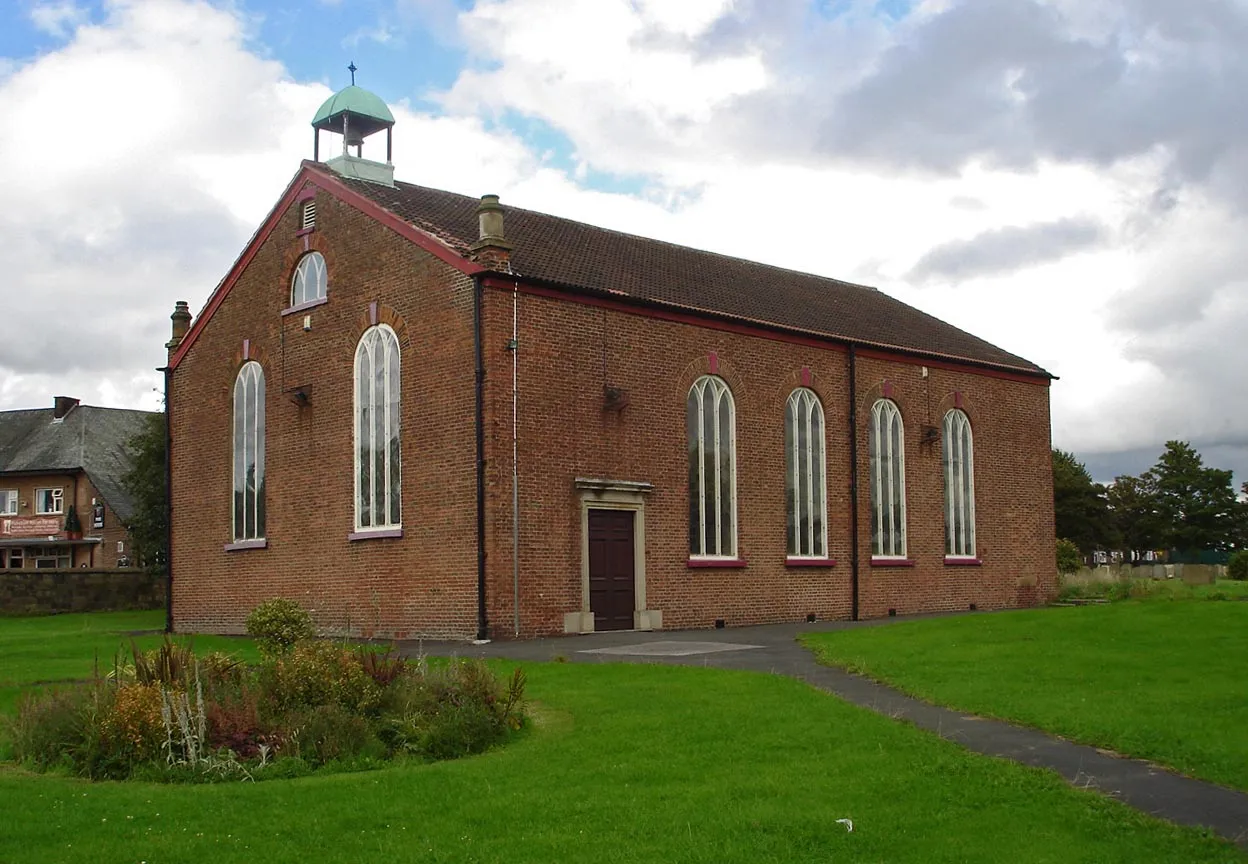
pixel 309 214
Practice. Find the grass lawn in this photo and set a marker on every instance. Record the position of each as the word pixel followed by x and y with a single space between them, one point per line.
pixel 1160 679
pixel 625 763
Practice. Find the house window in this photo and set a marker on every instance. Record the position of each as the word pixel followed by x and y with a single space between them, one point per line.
pixel 886 443
pixel 51 557
pixel 8 502
pixel 310 281
pixel 804 479
pixel 11 559
pixel 49 502
pixel 710 421
pixel 959 465
pixel 248 517
pixel 309 215
pixel 377 462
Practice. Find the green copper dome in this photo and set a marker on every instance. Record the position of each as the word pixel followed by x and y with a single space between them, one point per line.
pixel 368 113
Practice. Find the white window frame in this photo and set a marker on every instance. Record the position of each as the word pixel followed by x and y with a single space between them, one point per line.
pixel 379 342
pixel 248 385
pixel 8 502
pixel 805 408
pixel 888 493
pixel 58 501
pixel 302 291
pixel 958 464
pixel 720 396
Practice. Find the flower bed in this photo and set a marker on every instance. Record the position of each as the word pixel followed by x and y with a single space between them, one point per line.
pixel 167 714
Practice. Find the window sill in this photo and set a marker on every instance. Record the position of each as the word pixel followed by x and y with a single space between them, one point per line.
pixel 240 545
pixel 304 232
pixel 727 563
pixel 377 534
pixel 809 562
pixel 892 562
pixel 303 307
pixel 951 561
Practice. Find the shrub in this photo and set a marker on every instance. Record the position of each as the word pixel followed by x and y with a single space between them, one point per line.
pixel 382 666
pixel 321 673
pixel 170 665
pixel 1237 567
pixel 47 729
pixel 279 624
pixel 454 710
pixel 331 733
pixel 1068 558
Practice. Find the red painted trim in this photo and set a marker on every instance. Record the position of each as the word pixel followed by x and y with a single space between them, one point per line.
pixel 308 193
pixel 327 183
pixel 892 562
pixel 957 399
pixel 759 330
pixel 712 363
pixel 962 562
pixel 304 232
pixel 809 562
pixel 242 545
pixel 385 534
pixel 805 376
pixel 303 307
pixel 705 563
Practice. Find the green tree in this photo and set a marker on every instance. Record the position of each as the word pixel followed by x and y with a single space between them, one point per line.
pixel 1195 505
pixel 145 481
pixel 1080 507
pixel 1133 509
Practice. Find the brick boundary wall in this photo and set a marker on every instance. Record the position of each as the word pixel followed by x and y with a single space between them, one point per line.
pixel 47 592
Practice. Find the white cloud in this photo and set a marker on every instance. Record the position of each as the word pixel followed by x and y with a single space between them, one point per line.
pixel 58 18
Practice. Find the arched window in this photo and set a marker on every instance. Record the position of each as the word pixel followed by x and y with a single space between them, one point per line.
pixel 710 422
pixel 310 281
pixel 377 462
pixel 248 517
pixel 887 443
pixel 959 465
pixel 804 482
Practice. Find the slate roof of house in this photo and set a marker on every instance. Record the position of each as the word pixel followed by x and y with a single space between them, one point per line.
pixel 87 438
pixel 598 260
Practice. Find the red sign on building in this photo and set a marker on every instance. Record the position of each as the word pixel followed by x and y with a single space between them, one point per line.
pixel 31 526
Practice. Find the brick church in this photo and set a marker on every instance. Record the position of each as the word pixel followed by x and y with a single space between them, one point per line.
pixel 425 414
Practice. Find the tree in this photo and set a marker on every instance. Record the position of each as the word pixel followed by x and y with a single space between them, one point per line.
pixel 145 481
pixel 1196 505
pixel 1133 509
pixel 1080 507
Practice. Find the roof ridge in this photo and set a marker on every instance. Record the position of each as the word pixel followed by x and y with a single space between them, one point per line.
pixel 683 246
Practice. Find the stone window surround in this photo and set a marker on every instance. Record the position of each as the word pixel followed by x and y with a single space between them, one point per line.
pixel 630 495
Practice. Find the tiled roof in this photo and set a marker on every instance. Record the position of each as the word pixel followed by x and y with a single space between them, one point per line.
pixel 588 258
pixel 87 438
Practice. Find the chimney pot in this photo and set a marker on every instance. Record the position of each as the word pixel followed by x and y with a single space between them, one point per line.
pixel 62 405
pixel 181 319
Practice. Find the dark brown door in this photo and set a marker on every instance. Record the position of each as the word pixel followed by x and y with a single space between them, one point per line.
pixel 612 589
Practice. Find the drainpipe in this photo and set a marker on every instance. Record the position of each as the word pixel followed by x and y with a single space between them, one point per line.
pixel 853 483
pixel 168 498
pixel 483 624
pixel 514 345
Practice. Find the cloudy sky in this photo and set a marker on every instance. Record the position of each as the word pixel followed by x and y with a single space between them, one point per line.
pixel 1066 178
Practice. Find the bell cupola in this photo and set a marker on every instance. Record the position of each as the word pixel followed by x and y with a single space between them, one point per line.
pixel 355 114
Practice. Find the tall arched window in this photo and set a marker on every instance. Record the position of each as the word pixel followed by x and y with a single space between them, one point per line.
pixel 887 443
pixel 710 422
pixel 805 496
pixel 959 465
pixel 248 519
pixel 377 462
pixel 310 281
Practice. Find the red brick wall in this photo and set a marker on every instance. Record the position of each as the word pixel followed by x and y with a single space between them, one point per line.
pixel 78 490
pixel 422 583
pixel 568 352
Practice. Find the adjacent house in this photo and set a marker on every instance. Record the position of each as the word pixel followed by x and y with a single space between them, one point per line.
pixel 421 413
pixel 69 457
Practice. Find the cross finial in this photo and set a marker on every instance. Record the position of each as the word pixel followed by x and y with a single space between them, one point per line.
pixel 352 70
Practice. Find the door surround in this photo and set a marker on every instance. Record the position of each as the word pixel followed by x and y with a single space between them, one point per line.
pixel 598 494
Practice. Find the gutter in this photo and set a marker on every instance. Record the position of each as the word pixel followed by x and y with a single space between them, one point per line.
pixel 483 624
pixel 853 482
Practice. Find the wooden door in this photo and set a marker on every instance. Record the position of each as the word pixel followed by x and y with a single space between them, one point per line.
pixel 612 586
